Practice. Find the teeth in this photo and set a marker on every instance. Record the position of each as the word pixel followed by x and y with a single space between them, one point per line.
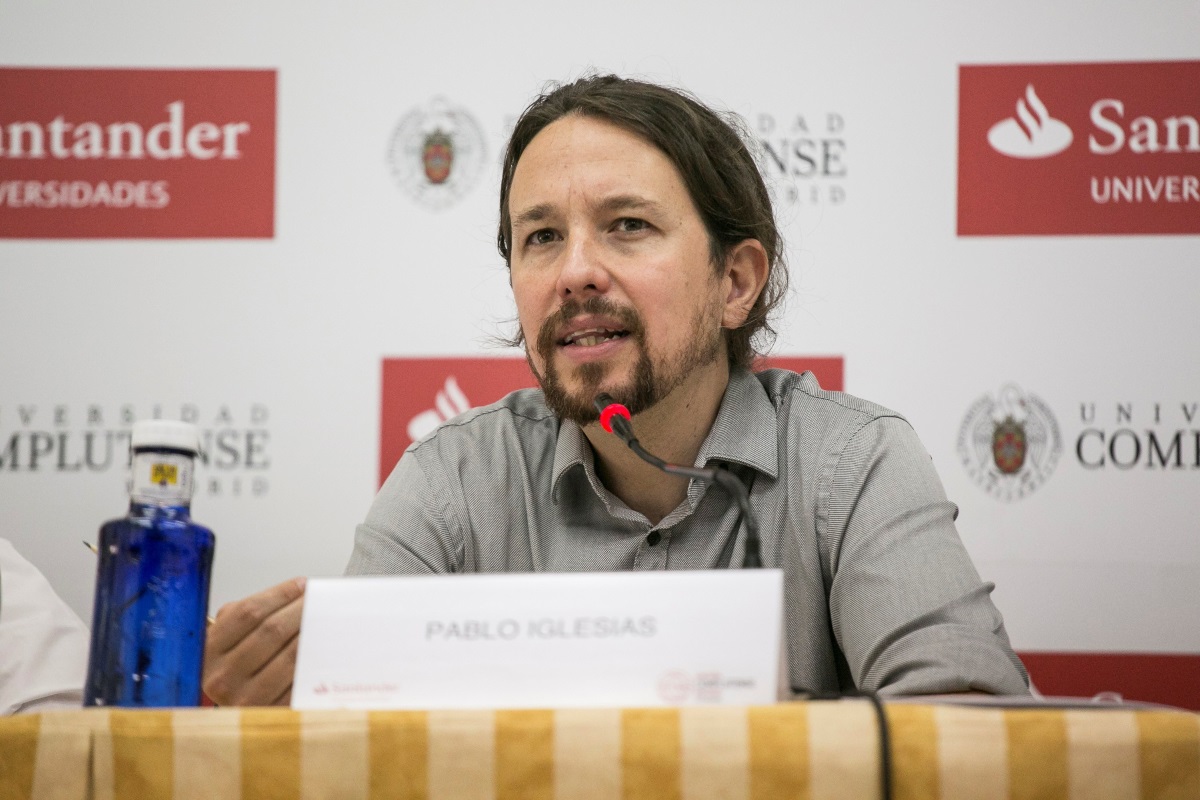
pixel 592 341
pixel 593 337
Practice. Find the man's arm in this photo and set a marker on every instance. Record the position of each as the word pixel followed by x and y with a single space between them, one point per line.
pixel 412 527
pixel 909 611
pixel 250 652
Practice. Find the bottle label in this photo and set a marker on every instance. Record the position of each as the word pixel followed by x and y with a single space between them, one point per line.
pixel 162 478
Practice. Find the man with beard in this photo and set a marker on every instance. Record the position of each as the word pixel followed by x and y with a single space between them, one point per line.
pixel 644 258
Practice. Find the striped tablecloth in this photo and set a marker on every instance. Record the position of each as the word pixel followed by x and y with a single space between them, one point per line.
pixel 812 750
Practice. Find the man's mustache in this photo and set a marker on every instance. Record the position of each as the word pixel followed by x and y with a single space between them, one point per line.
pixel 626 317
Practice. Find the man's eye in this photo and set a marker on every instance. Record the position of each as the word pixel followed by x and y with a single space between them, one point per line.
pixel 631 225
pixel 544 236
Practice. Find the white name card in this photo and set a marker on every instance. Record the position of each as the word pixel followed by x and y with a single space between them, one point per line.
pixel 541 640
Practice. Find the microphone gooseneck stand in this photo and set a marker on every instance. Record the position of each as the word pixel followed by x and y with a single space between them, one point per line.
pixel 615 418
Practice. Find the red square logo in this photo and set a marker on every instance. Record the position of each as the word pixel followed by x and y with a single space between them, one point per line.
pixel 1047 149
pixel 421 393
pixel 137 153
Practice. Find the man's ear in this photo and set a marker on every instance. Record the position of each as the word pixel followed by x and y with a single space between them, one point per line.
pixel 745 277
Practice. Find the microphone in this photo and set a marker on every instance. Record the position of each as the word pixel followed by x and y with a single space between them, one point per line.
pixel 615 418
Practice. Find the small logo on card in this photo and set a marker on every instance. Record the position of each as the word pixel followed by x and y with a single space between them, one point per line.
pixel 676 687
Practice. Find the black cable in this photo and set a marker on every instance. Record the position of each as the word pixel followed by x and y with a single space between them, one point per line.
pixel 737 526
pixel 620 425
pixel 885 736
pixel 721 477
pixel 885 744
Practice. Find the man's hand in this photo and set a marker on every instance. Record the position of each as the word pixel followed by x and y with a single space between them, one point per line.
pixel 250 652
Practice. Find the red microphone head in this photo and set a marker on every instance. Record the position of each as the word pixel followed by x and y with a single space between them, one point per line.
pixel 608 409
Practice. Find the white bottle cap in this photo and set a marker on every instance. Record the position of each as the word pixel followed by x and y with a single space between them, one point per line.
pixel 151 433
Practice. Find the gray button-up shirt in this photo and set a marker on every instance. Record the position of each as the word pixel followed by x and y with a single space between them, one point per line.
pixel 879 592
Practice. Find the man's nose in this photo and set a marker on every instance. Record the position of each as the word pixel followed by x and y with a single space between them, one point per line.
pixel 583 272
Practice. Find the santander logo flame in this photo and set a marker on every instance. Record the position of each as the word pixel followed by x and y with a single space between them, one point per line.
pixel 1033 134
pixel 449 402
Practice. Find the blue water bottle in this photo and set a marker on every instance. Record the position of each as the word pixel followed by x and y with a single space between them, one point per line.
pixel 152 580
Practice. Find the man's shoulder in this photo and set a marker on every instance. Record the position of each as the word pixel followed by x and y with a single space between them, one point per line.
pixel 801 395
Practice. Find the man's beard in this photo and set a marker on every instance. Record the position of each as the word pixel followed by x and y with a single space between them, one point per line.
pixel 646 387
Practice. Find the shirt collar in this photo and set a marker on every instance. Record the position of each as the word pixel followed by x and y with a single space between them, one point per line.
pixel 571 450
pixel 746 428
pixel 744 432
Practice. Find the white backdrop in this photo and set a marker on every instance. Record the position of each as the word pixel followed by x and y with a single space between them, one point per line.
pixel 286 335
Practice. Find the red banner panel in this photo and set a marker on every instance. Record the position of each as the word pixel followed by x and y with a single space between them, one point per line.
pixel 137 153
pixel 828 370
pixel 1168 678
pixel 1046 149
pixel 421 393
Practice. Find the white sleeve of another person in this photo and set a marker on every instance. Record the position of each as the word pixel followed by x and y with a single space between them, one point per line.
pixel 43 644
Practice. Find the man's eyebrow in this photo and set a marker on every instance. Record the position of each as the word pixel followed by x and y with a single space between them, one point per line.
pixel 628 202
pixel 532 215
pixel 614 203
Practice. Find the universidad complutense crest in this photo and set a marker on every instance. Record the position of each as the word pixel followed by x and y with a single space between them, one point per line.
pixel 437 153
pixel 437 156
pixel 1009 443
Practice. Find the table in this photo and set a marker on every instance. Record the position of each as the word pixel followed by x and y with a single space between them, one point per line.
pixel 818 749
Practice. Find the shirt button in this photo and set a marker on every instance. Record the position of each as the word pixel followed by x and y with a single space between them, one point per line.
pixel 654 538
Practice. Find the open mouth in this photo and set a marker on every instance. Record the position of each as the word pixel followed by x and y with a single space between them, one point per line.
pixel 592 337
